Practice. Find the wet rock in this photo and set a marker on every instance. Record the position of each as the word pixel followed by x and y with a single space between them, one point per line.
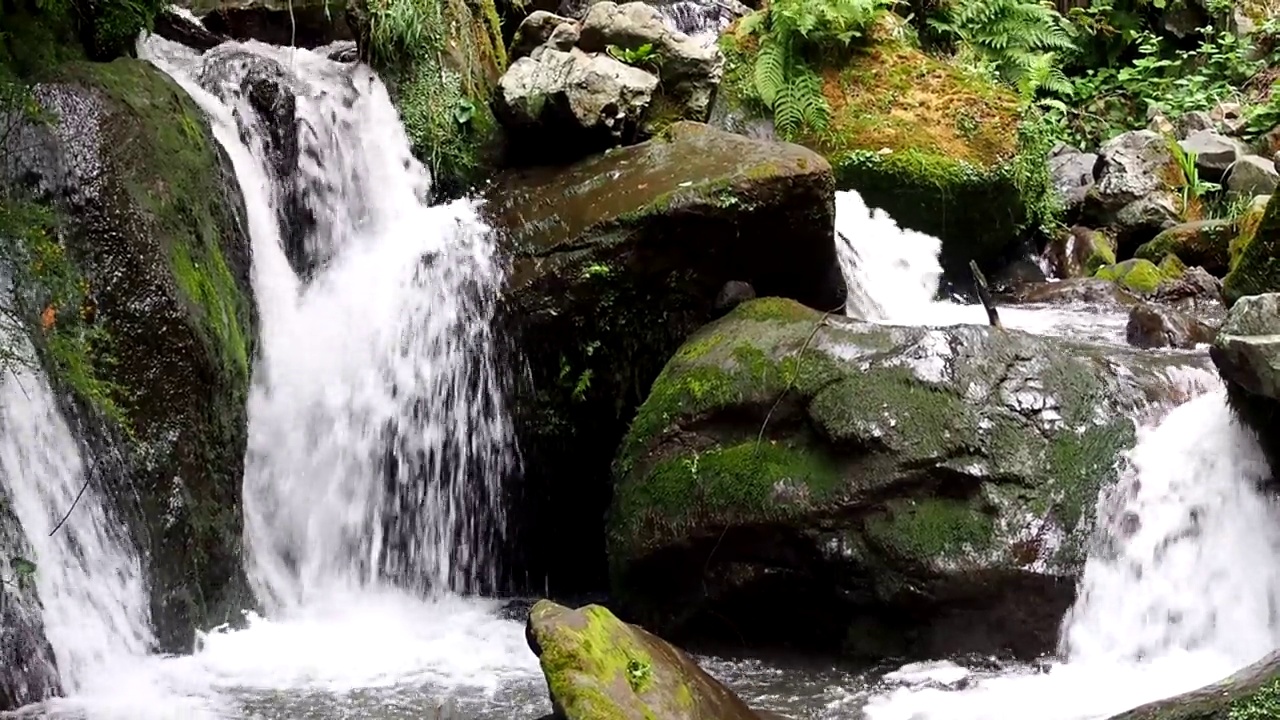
pixel 934 483
pixel 28 669
pixel 154 222
pixel 1195 293
pixel 1215 153
pixel 343 51
pixel 616 260
pixel 1157 326
pixel 1076 291
pixel 600 668
pixel 297 23
pixel 1131 194
pixel 1255 263
pixel 1202 243
pixel 1078 252
pixel 1138 276
pixel 1073 176
pixel 1248 693
pixel 1247 353
pixel 1252 175
pixel 182 27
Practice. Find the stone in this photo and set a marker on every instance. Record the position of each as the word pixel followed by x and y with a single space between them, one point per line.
pixel 1077 291
pixel 733 294
pixel 1137 275
pixel 155 222
pixel 1255 255
pixel 689 70
pixel 298 23
pixel 935 484
pixel 1131 194
pixel 1252 175
pixel 600 668
pixel 1229 116
pixel 1194 122
pixel 1158 326
pixel 1247 350
pixel 1195 293
pixel 616 259
pixel 183 27
pixel 588 102
pixel 1161 124
pixel 535 31
pixel 1073 176
pixel 28 668
pixel 1215 153
pixel 1203 243
pixel 941 168
pixel 1078 252
pixel 1248 693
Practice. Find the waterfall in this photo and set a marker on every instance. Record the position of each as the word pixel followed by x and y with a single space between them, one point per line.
pixel 702 20
pixel 378 430
pixel 88 575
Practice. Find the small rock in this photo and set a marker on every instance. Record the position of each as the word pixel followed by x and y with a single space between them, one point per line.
pixel 1194 122
pixel 564 37
pixel 1229 117
pixel 1160 124
pixel 1214 152
pixel 1252 175
pixel 535 31
pixel 1073 175
pixel 182 27
pixel 734 293
pixel 1155 326
pixel 1247 350
pixel 1131 194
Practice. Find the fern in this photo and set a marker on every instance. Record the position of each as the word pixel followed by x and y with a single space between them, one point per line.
pixel 1020 39
pixel 791 33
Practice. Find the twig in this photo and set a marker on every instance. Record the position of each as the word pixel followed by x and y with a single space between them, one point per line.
pixel 795 374
pixel 984 294
pixel 88 479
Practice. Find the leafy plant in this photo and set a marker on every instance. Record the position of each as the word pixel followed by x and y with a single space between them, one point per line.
pixel 1019 38
pixel 642 56
pixel 792 35
pixel 1189 183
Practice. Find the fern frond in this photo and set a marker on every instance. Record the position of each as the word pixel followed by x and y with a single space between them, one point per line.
pixel 770 72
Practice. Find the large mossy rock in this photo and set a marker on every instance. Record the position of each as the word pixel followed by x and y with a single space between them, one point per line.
pixel 1247 353
pixel 939 150
pixel 617 259
pixel 600 668
pixel 1251 694
pixel 1202 243
pixel 441 65
pixel 153 220
pixel 795 477
pixel 1255 255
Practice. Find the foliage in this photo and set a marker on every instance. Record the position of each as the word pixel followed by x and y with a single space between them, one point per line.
pixel 1262 705
pixel 794 36
pixel 1017 38
pixel 1190 185
pixel 643 56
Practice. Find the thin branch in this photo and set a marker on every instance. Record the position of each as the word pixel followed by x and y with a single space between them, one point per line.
pixel 794 375
pixel 88 479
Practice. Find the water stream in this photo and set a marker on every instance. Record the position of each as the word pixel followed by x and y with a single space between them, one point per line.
pixel 379 434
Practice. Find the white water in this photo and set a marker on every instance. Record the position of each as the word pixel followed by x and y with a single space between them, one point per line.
pixel 893 276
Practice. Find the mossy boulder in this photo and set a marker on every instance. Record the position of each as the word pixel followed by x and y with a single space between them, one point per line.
pixel 1078 252
pixel 600 668
pixel 1204 243
pixel 616 260
pixel 942 151
pixel 1255 266
pixel 441 61
pixel 153 221
pixel 1141 276
pixel 1247 353
pixel 1251 694
pixel 800 478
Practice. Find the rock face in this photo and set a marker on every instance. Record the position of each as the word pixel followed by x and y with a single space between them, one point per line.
pixel 1131 194
pixel 617 259
pixel 618 77
pixel 301 23
pixel 1092 291
pixel 1072 173
pixel 154 221
pixel 1157 326
pixel 936 148
pixel 600 668
pixel 897 491
pixel 1202 243
pixel 28 672
pixel 1247 353
pixel 1252 176
pixel 1255 263
pixel 1215 153
pixel 1251 693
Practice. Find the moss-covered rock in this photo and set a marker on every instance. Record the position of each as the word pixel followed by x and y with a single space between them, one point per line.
pixel 441 61
pixel 154 223
pixel 600 668
pixel 938 483
pixel 1247 353
pixel 942 151
pixel 1141 276
pixel 1256 267
pixel 1078 252
pixel 1251 694
pixel 617 259
pixel 1201 243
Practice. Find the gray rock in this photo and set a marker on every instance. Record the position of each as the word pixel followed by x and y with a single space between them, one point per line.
pixel 535 31
pixel 1214 152
pixel 572 91
pixel 1247 350
pixel 1252 176
pixel 1229 117
pixel 564 37
pixel 1158 326
pixel 1153 213
pixel 1194 122
pixel 690 72
pixel 733 294
pixel 1072 173
pixel 1131 194
pixel 1078 252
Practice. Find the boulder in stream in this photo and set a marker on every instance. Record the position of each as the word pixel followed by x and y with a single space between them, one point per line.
pixel 1255 256
pixel 809 479
pixel 1158 326
pixel 1132 194
pixel 153 222
pixel 616 260
pixel 600 668
pixel 1247 353
pixel 1202 243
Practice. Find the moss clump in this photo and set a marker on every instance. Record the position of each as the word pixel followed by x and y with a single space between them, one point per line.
pixel 1261 705
pixel 929 530
pixel 584 662
pixel 1256 269
pixel 442 59
pixel 1101 254
pixel 1136 275
pixel 941 150
pixel 1203 243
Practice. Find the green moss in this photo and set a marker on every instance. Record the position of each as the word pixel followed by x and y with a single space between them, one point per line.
pixel 581 663
pixel 1171 267
pixel 1256 269
pixel 1079 464
pixel 772 308
pixel 893 408
pixel 1136 275
pixel 931 529
pixel 1203 243
pixel 207 282
pixel 1261 705
pixel 1102 254
pixel 443 58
